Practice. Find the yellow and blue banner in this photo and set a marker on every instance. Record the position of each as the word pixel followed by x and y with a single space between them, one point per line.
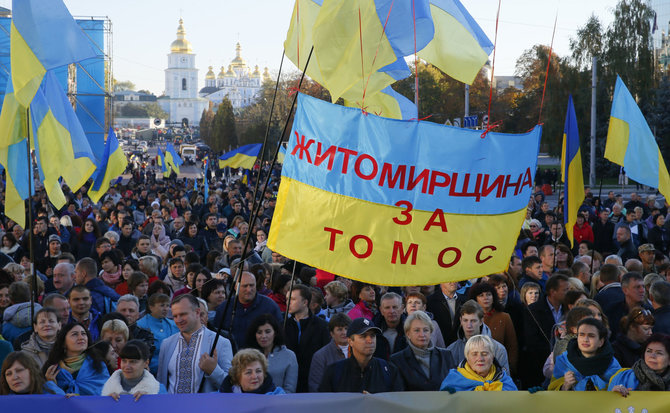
pixel 395 202
pixel 243 157
pixel 43 36
pixel 631 144
pixel 162 163
pixel 112 165
pixel 571 171
pixel 282 153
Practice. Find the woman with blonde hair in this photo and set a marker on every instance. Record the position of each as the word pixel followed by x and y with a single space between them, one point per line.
pixel 249 374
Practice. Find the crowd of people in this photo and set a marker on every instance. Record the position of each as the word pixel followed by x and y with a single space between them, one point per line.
pixel 135 295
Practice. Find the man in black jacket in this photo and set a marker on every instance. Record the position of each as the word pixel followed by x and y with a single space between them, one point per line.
pixel 390 320
pixel 361 372
pixel 305 333
pixel 444 304
pixel 537 325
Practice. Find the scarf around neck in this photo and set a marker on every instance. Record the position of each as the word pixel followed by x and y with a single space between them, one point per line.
pixel 596 365
pixel 649 379
pixel 112 279
pixel 72 364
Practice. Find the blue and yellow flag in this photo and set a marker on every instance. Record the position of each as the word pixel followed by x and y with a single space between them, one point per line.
pixel 460 47
pixel 571 171
pixel 282 153
pixel 61 146
pixel 242 157
pixel 43 36
pixel 162 163
pixel 432 203
pixel 172 158
pixel 631 144
pixel 113 164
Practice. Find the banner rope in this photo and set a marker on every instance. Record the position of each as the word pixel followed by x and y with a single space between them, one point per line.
pixel 546 75
pixel 493 67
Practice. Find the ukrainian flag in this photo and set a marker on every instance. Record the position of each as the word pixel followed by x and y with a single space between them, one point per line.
pixel 162 163
pixel 172 158
pixel 282 153
pixel 43 36
pixel 113 164
pixel 571 171
pixel 631 144
pixel 242 157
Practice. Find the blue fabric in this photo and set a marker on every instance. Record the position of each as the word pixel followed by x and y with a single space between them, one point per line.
pixel 161 329
pixel 563 365
pixel 100 291
pixel 89 382
pixel 624 377
pixel 445 153
pixel 456 381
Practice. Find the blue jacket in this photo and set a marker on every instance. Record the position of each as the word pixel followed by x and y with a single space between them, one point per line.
pixel 244 316
pixel 88 382
pixel 212 381
pixel 104 298
pixel 161 329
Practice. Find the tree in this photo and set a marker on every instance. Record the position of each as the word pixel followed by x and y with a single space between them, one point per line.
pixel 223 133
pixel 588 44
pixel 123 85
pixel 132 110
pixel 155 111
pixel 206 123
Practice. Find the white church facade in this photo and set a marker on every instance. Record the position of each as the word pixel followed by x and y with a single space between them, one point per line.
pixel 184 102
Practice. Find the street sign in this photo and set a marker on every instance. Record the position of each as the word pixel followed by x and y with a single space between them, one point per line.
pixel 457 122
pixel 470 121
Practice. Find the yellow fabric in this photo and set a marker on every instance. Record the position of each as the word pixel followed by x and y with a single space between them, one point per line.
pixel 337 44
pixel 15 207
pixel 453 49
pixel 663 177
pixel 299 38
pixel 575 193
pixel 115 166
pixel 57 160
pixel 12 121
pixel 556 383
pixel 298 233
pixel 239 161
pixel 27 70
pixel 470 374
pixel 617 140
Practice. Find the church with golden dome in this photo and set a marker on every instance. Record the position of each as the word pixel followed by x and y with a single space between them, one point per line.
pixel 181 100
pixel 238 83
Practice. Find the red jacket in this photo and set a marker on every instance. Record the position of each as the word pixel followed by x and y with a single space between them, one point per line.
pixel 583 233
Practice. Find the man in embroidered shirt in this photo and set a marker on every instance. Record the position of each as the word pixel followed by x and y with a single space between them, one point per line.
pixel 184 364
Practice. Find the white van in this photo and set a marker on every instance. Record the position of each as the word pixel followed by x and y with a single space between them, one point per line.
pixel 188 154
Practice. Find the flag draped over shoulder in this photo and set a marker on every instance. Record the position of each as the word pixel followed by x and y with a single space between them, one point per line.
pixel 113 164
pixel 360 197
pixel 571 171
pixel 631 144
pixel 43 36
pixel 242 157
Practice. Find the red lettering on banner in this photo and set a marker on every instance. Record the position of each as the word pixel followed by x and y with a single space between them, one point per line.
pixel 304 148
pixel 435 183
pixel 404 256
pixel 357 167
pixel 508 184
pixel 329 154
pixel 345 162
pixel 440 258
pixel 387 169
pixel 479 259
pixel 437 220
pixel 466 184
pixel 498 183
pixel 527 180
pixel 423 177
pixel 352 246
pixel 406 213
pixel 333 233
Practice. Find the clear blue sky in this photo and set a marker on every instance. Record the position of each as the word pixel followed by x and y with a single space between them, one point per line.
pixel 144 29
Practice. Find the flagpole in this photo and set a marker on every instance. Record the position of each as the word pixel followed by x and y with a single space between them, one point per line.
pixel 238 273
pixel 33 281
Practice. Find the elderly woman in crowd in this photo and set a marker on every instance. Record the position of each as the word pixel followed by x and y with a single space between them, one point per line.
pixel 22 375
pixel 43 337
pixel 249 374
pixel 636 328
pixel 72 366
pixel 650 373
pixel 421 365
pixel 588 363
pixel 337 299
pixel 116 333
pixel 479 371
pixel 265 335
pixel 133 377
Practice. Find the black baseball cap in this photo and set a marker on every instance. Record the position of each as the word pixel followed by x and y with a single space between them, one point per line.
pixel 361 326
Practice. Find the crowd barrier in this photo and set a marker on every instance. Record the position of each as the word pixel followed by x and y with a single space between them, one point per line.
pixel 424 402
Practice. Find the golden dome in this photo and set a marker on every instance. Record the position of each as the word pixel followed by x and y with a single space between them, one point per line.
pixel 181 45
pixel 230 72
pixel 210 74
pixel 238 61
pixel 266 75
pixel 256 73
pixel 222 73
